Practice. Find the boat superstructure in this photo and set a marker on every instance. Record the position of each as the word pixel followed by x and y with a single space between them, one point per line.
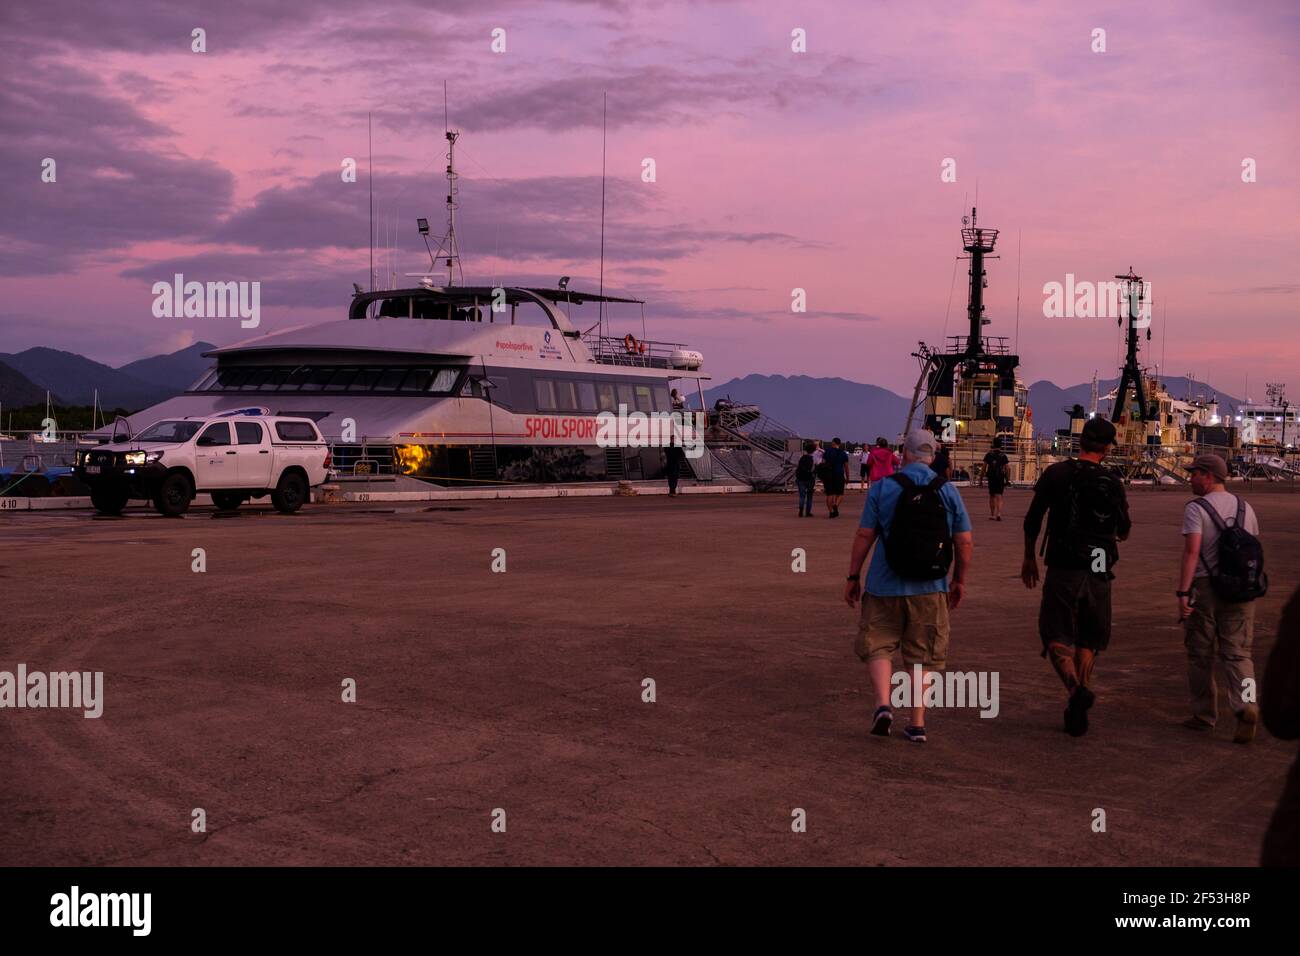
pixel 972 393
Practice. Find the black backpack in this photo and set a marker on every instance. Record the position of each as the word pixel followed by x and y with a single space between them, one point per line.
pixel 1092 505
pixel 804 470
pixel 1240 575
pixel 919 545
pixel 997 468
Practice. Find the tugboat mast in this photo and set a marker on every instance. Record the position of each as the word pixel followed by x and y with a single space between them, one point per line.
pixel 1134 295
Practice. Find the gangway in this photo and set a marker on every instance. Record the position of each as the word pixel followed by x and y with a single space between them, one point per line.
pixel 751 446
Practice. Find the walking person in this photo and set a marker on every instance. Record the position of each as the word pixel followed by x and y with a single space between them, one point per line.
pixel 996 469
pixel 675 455
pixel 942 463
pixel 923 530
pixel 805 479
pixel 882 461
pixel 1087 515
pixel 864 465
pixel 1219 579
pixel 835 465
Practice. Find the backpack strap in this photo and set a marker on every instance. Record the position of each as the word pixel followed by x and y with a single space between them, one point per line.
pixel 907 483
pixel 1241 512
pixel 1214 514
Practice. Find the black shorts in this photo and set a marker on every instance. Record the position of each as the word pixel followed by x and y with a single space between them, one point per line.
pixel 1075 609
pixel 834 486
pixel 997 486
pixel 862 471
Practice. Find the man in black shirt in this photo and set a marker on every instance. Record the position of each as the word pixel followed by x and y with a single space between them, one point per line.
pixel 1087 513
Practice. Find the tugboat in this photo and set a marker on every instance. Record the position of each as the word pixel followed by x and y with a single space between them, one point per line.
pixel 972 392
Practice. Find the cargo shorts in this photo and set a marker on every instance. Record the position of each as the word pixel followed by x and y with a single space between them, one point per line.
pixel 916 624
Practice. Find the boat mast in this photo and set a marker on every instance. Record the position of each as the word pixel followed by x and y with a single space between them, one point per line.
pixel 1134 294
pixel 447 248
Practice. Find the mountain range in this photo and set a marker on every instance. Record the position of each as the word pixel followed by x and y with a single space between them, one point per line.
pixel 73 379
pixel 826 407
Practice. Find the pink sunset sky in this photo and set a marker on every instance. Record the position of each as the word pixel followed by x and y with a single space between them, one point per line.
pixel 775 169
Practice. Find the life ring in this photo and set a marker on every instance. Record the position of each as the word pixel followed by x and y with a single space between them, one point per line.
pixel 629 343
pixel 640 347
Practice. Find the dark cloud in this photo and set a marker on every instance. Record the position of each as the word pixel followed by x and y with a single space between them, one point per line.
pixel 554 218
pixel 117 180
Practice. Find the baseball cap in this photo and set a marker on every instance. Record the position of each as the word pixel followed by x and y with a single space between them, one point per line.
pixel 920 444
pixel 1099 430
pixel 1212 464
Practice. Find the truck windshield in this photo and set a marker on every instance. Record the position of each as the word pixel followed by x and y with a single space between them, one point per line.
pixel 175 432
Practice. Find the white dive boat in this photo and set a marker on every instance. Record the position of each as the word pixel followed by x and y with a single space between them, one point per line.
pixel 434 383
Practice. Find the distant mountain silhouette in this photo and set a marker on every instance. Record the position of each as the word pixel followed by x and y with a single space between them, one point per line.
pixel 177 371
pixel 826 407
pixel 16 390
pixel 1050 402
pixel 821 407
pixel 75 378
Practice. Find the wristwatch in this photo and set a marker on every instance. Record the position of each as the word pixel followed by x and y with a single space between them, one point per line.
pixel 1183 593
pixel 853 577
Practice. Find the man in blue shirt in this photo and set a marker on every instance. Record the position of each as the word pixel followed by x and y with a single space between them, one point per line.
pixel 904 613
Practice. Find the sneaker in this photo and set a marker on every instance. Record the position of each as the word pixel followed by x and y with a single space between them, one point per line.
pixel 1076 714
pixel 1247 724
pixel 1195 723
pixel 881 721
pixel 915 734
pixel 800 512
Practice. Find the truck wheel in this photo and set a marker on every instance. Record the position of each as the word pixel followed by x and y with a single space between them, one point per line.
pixel 227 500
pixel 108 501
pixel 173 495
pixel 290 493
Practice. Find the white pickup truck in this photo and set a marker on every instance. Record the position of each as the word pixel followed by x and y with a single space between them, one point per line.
pixel 231 457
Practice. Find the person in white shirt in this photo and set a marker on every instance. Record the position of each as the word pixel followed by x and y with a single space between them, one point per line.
pixel 1215 626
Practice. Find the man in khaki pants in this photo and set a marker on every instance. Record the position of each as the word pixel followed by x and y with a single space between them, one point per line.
pixel 1215 626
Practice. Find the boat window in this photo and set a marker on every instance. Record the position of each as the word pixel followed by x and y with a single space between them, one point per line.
pixel 565 397
pixel 256 377
pixel 275 380
pixel 206 382
pixel 342 379
pixel 605 393
pixel 587 396
pixel 248 433
pixel 444 381
pixel 231 378
pixel 217 433
pixel 625 397
pixel 545 395
pixel 390 379
pixel 644 401
pixel 417 380
pixel 663 401
pixel 293 381
pixel 317 379
pixel 365 380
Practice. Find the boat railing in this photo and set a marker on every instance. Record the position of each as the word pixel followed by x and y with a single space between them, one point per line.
pixel 612 350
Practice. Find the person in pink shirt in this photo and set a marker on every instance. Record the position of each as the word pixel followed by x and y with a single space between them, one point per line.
pixel 882 461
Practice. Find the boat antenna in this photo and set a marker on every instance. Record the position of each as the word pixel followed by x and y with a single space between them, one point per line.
pixel 448 242
pixel 604 112
pixel 1019 235
pixel 370 175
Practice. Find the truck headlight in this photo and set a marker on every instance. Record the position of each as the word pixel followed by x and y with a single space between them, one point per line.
pixel 135 457
pixel 81 458
pixel 153 456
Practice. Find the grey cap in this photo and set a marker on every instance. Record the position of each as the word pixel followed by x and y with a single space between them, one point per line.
pixel 920 445
pixel 1211 464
